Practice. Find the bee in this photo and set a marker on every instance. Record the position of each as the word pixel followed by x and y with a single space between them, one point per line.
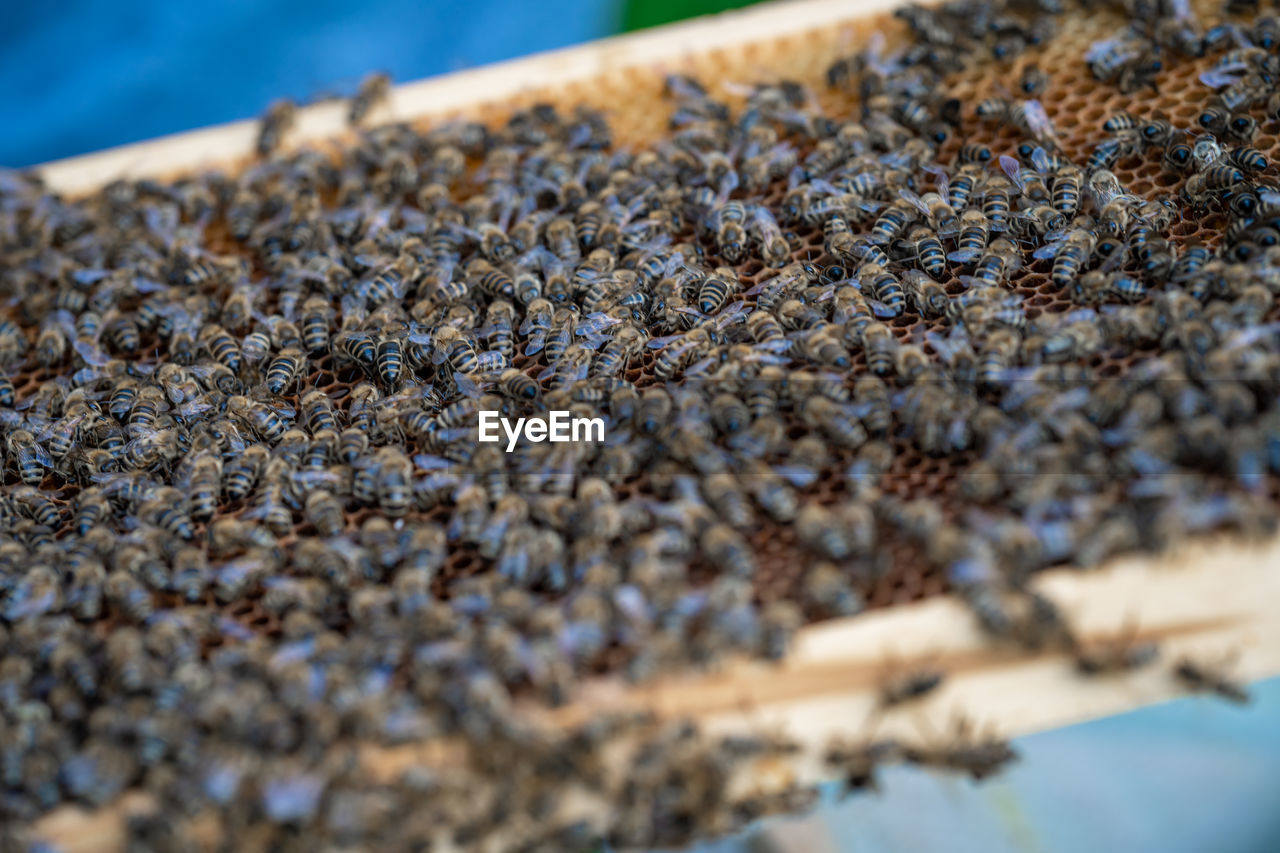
pixel 1033 81
pixel 1107 153
pixel 263 419
pixel 357 348
pixel 972 152
pixel 928 250
pixel 517 385
pixel 1178 156
pixel 393 473
pixel 885 287
pixel 996 357
pixel 353 443
pixel 390 282
pixel 1156 133
pixel 1246 159
pixel 891 223
pixel 978 756
pixel 52 343
pixel 374 89
pixel 29 459
pixel 276 122
pixel 728 550
pixel 1121 653
pixel 165 508
pixel 490 279
pixel 220 346
pixel 1203 187
pixel 727 222
pixel 134 601
pixel 881 348
pixel 1241 127
pixel 38 507
pixel 1202 677
pixel 975 229
pixel 317 412
pixel 451 346
pixel 902 686
pixel 1069 256
pixel 1066 190
pixel 1030 182
pixel 715 290
pixel 1000 259
pixel 60 436
pixel 317 321
pixel 91 509
pixel 389 360
pixel 285 370
pixel 13 344
pixel 324 513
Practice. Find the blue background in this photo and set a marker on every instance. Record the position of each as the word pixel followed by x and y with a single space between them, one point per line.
pixel 81 75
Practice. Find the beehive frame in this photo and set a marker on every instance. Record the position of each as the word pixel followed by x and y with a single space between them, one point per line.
pixel 1212 600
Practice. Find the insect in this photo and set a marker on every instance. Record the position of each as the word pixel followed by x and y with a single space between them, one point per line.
pixel 901 685
pixel 276 122
pixel 1120 653
pixel 373 91
pixel 1209 678
pixel 977 755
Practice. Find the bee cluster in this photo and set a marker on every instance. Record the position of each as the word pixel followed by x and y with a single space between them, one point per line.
pixel 928 333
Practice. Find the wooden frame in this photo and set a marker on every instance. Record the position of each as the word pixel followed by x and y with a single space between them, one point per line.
pixel 1214 599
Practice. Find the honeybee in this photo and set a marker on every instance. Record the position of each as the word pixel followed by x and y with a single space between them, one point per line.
pixel 374 91
pixel 997 262
pixel 1208 678
pixel 285 370
pixel 276 122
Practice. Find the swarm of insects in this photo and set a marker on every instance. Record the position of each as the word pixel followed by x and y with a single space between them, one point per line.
pixel 246 518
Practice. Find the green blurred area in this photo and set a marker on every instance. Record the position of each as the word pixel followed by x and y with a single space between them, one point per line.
pixel 638 14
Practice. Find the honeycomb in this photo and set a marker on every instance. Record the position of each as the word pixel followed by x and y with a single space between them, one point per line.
pixel 1077 105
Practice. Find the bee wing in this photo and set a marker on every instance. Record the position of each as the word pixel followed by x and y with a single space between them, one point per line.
pixel 312 479
pixel 797 475
pixel 594 342
pixel 659 343
pixel 89 276
pixel 701 366
pixel 594 322
pixel 732 314
pixel 1011 167
pixel 1100 49
pixel 1039 123
pixel 41 455
pixel 1115 259
pixel 942 179
pixel 468 385
pixel 880 309
pixel 916 278
pixel 431 463
pixel 91 354
pixel 1050 250
pixel 1040 159
pixel 1223 75
pixel 194 408
pixel 914 200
